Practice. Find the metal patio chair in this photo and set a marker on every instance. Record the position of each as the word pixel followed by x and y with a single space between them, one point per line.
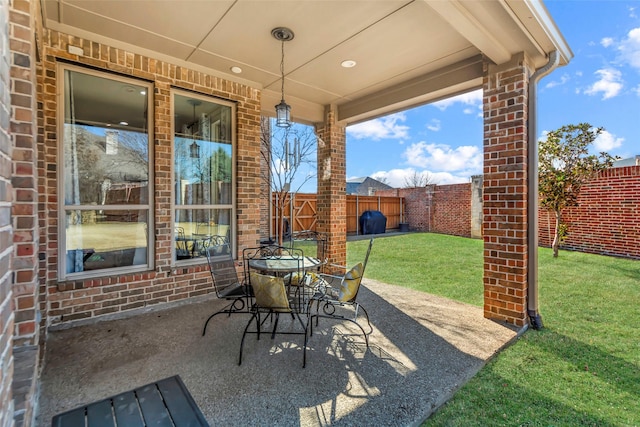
pixel 338 294
pixel 270 270
pixel 225 280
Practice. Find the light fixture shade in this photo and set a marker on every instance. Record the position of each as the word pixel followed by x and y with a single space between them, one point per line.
pixel 283 115
pixel 194 150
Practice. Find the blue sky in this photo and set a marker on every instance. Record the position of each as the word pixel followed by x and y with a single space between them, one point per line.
pixel 600 86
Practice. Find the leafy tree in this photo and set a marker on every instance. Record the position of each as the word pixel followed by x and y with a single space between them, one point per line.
pixel 418 179
pixel 288 152
pixel 564 166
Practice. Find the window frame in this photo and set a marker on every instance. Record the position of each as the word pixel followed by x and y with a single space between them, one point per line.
pixel 63 208
pixel 174 206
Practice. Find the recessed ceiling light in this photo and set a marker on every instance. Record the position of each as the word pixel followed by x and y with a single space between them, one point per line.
pixel 236 70
pixel 348 63
pixel 124 123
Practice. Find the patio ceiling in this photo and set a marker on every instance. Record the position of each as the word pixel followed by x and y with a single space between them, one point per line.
pixel 407 52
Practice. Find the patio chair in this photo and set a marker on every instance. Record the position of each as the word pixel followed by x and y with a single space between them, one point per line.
pixel 312 242
pixel 226 282
pixel 269 270
pixel 339 296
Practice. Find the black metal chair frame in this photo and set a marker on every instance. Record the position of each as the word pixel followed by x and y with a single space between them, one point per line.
pixel 225 280
pixel 297 308
pixel 329 302
pixel 319 238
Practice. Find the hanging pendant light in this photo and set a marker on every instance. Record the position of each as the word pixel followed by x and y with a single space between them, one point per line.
pixel 194 148
pixel 283 110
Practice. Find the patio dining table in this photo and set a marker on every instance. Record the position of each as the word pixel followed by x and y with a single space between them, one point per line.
pixel 284 265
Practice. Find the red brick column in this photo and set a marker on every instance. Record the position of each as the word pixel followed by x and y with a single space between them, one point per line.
pixel 23 195
pixel 505 191
pixel 332 186
pixel 6 239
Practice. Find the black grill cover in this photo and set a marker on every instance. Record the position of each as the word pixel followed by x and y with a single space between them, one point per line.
pixel 373 222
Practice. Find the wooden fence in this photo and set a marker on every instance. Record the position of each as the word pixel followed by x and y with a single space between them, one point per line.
pixel 302 212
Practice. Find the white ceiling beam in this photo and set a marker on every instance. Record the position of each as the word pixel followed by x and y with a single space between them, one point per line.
pixel 454 79
pixel 462 21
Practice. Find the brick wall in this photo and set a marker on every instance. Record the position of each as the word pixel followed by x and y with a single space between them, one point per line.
pixel 607 219
pixel 81 299
pixel 442 209
pixel 6 233
pixel 24 16
pixel 451 209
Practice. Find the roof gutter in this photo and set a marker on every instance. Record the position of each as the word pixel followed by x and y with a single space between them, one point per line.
pixel 535 318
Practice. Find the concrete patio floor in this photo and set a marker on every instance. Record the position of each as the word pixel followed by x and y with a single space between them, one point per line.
pixel 422 349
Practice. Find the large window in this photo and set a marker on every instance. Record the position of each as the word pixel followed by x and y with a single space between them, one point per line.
pixel 202 174
pixel 105 208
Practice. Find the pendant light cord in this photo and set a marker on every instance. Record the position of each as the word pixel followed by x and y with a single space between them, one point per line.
pixel 282 69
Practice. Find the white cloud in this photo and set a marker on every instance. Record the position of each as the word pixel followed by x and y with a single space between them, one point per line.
pixel 388 127
pixel 397 177
pixel 606 42
pixel 610 83
pixel 637 90
pixel 632 12
pixel 629 48
pixel 606 141
pixel 470 98
pixel 441 157
pixel 434 125
pixel 563 79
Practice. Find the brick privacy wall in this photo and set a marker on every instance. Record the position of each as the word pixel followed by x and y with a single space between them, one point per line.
pixel 451 209
pixel 606 222
pixel 6 232
pixel 332 187
pixel 607 219
pixel 81 299
pixel 505 190
pixel 444 209
pixel 417 205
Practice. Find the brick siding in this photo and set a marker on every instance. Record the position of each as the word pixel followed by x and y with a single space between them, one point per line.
pixel 6 232
pixel 24 210
pixel 81 299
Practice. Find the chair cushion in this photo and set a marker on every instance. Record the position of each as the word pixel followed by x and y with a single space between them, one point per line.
pixel 351 283
pixel 270 292
pixel 307 279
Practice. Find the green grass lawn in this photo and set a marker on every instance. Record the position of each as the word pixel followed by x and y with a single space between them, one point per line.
pixel 583 368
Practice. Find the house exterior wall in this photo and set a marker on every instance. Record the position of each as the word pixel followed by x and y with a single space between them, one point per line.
pixel 25 17
pixel 81 299
pixel 6 231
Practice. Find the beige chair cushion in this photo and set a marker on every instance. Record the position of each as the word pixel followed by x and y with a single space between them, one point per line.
pixel 350 284
pixel 307 279
pixel 270 292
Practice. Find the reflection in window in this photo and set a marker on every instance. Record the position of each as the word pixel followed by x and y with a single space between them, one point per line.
pixel 105 149
pixel 203 174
